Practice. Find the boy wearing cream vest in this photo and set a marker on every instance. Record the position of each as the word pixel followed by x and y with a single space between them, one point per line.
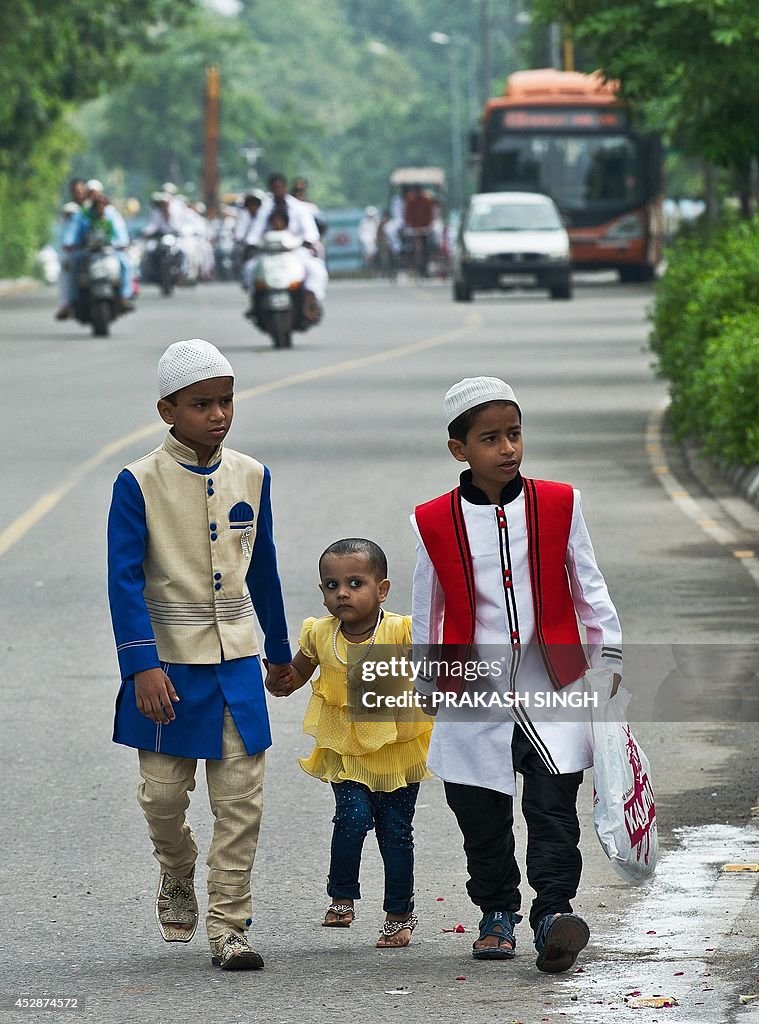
pixel 190 558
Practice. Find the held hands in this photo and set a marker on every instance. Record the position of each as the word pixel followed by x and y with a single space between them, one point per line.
pixel 280 681
pixel 154 693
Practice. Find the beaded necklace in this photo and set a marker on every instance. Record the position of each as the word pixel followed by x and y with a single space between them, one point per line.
pixel 369 646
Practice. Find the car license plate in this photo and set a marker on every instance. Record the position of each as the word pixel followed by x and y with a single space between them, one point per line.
pixel 278 300
pixel 516 279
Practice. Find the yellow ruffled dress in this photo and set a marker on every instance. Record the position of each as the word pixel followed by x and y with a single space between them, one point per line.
pixel 382 754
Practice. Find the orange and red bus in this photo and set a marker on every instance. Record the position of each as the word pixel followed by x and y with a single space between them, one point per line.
pixel 568 135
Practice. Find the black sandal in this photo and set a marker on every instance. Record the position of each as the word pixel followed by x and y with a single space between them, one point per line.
pixel 499 923
pixel 559 941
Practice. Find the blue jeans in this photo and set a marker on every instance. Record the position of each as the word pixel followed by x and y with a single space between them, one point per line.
pixel 357 811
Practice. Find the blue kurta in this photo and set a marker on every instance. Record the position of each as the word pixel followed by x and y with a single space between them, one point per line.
pixel 204 690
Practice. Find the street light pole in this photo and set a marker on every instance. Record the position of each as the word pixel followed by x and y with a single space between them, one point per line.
pixel 457 154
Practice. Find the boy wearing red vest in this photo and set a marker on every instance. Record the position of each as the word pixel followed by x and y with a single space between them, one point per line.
pixel 505 563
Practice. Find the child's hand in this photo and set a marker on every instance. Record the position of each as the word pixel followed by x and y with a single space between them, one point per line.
pixel 155 693
pixel 280 681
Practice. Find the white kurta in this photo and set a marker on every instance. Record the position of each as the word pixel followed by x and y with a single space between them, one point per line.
pixel 473 747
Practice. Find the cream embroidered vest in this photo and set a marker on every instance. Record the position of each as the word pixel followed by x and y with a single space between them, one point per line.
pixel 201 530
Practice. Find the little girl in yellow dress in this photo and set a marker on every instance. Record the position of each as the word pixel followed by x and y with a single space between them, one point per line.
pixel 374 766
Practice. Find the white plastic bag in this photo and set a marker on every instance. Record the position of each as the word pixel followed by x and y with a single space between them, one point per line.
pixel 624 810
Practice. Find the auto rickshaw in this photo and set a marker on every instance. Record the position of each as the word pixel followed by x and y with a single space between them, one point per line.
pixel 419 210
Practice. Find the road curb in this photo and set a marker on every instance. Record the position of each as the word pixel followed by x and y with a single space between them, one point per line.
pixel 14 286
pixel 745 480
pixel 742 480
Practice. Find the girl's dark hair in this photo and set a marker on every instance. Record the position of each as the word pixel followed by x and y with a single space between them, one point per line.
pixel 460 427
pixel 372 552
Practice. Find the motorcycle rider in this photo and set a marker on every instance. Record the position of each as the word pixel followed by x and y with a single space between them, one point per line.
pixel 169 217
pixel 251 204
pixel 101 216
pixel 299 190
pixel 78 193
pixel 301 223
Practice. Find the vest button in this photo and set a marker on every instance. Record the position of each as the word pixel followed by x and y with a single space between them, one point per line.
pixel 214 536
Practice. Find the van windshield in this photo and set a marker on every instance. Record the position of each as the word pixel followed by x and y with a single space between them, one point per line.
pixel 485 216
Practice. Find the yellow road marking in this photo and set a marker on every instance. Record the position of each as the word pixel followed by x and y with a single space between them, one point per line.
pixel 20 526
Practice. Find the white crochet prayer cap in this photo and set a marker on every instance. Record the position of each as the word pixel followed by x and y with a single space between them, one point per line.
pixel 93 185
pixel 187 362
pixel 473 391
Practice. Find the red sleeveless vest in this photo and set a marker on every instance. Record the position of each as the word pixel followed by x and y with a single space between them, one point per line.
pixel 548 508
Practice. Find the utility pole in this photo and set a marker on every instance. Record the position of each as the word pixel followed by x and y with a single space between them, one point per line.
pixel 569 49
pixel 211 141
pixel 486 58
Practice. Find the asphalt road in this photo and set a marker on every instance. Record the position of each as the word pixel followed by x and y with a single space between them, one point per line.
pixel 349 422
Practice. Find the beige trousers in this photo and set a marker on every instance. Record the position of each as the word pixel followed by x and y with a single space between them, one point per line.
pixel 235 792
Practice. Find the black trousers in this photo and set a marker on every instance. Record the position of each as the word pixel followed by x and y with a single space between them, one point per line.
pixel 486 820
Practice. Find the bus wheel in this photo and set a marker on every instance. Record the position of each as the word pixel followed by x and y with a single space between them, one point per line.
pixel 562 291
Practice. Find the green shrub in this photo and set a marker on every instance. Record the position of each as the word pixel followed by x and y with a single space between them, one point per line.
pixel 28 199
pixel 708 281
pixel 725 391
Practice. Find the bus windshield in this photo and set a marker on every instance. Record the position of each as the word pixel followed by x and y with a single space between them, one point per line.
pixel 580 172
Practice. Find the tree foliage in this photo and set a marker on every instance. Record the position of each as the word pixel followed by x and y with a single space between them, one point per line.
pixel 55 54
pixel 692 66
pixel 341 91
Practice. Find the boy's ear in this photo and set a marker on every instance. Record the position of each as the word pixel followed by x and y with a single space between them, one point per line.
pixel 383 589
pixel 456 448
pixel 324 598
pixel 165 410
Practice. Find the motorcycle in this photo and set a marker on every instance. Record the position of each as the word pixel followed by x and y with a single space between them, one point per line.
pixel 225 256
pixel 98 285
pixel 162 262
pixel 278 289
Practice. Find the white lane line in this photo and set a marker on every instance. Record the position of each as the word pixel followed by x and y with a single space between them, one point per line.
pixel 671 940
pixel 20 526
pixel 687 504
